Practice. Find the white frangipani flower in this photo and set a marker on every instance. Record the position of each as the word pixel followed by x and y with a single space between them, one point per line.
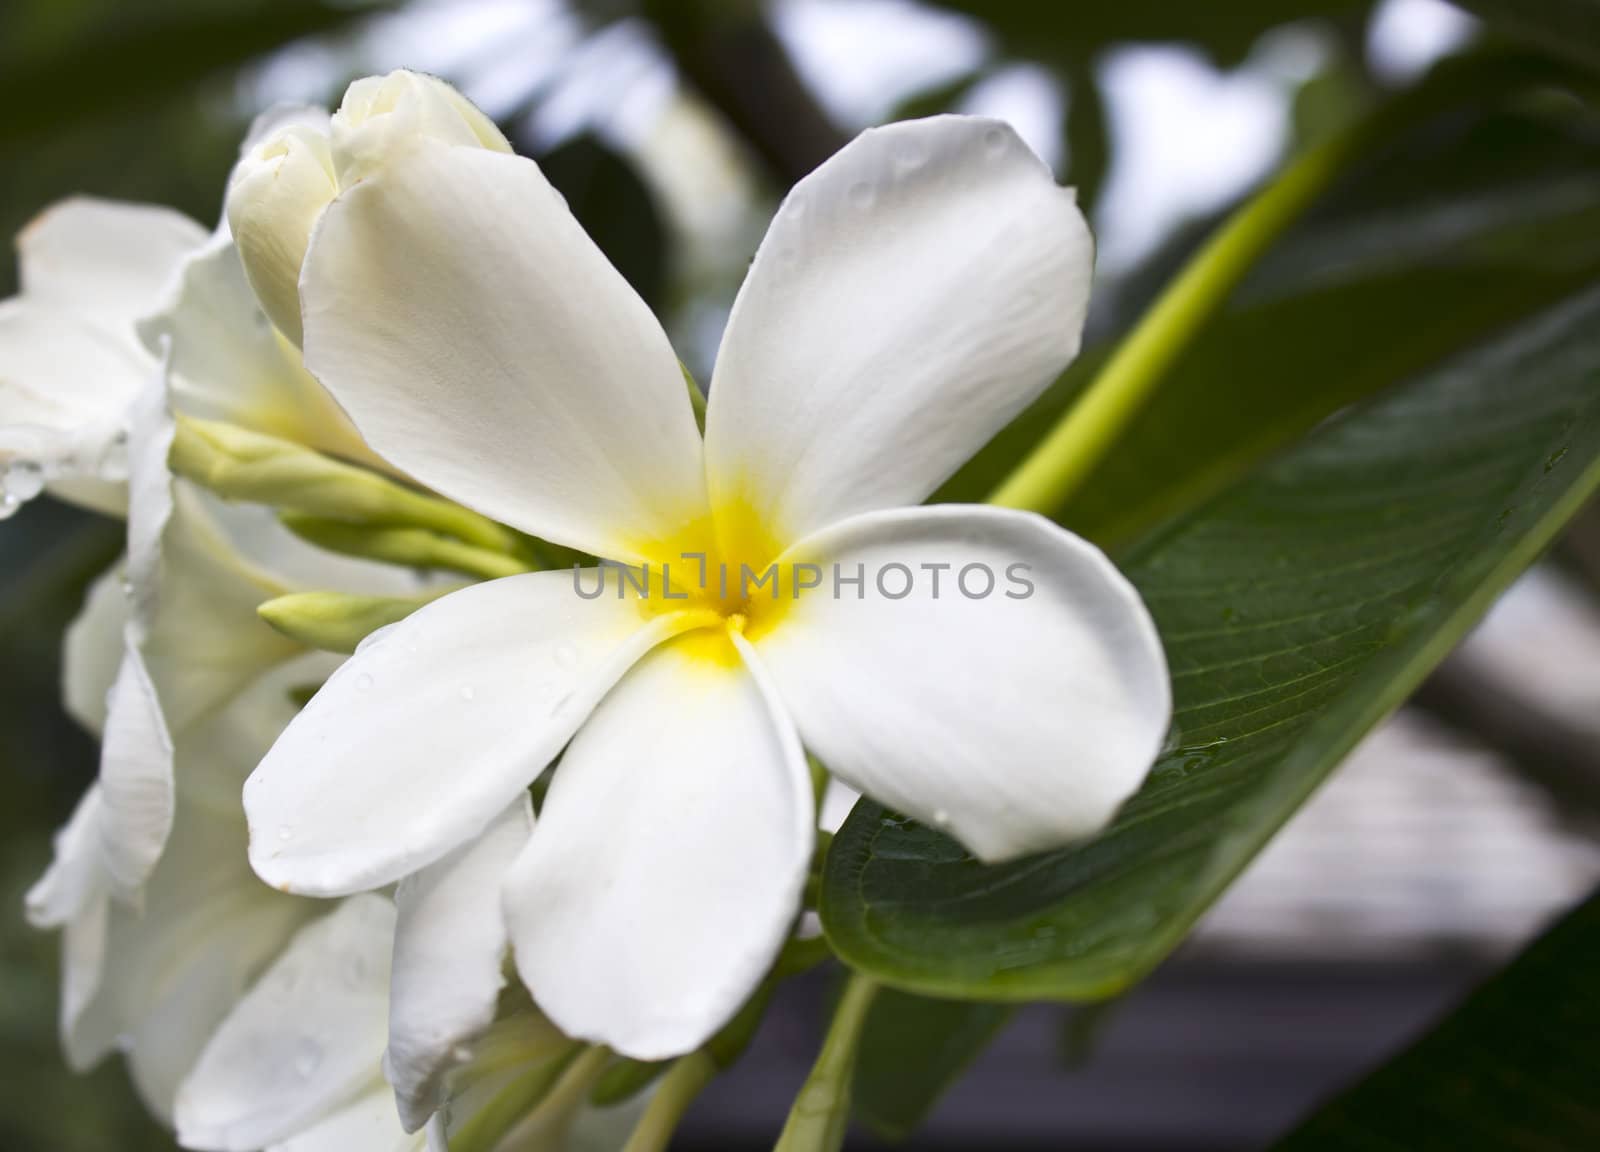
pixel 154 978
pixel 912 296
pixel 71 363
pixel 299 160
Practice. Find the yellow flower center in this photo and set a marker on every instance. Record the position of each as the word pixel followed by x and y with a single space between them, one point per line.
pixel 723 564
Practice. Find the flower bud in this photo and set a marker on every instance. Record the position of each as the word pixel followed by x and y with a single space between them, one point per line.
pixel 339 621
pixel 296 168
pixel 278 191
pixel 382 116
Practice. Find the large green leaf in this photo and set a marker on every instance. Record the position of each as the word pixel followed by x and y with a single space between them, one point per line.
pixel 1298 609
pixel 1515 1067
pixel 1493 215
pixel 1567 27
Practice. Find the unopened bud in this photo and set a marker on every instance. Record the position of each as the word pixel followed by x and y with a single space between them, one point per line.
pixel 337 621
pixel 277 193
pixel 294 169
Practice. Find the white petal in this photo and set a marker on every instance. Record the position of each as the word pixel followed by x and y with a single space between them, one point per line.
pixel 69 361
pixel 92 650
pixel 913 294
pixel 77 873
pixel 205 929
pixel 837 800
pixel 302 1042
pixel 367 1125
pixel 215 755
pixel 1016 723
pixel 66 381
pixel 432 728
pixel 203 641
pixel 259 539
pixel 668 864
pixel 227 362
pixel 103 258
pixel 276 192
pixel 136 778
pixel 482 343
pixel 449 952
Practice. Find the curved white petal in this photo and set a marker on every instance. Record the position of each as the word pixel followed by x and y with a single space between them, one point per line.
pixel 1016 721
pixel 449 954
pixel 913 294
pixel 173 967
pixel 369 1124
pixel 281 184
pixel 91 652
pixel 258 538
pixel 76 874
pixel 215 755
pixel 203 641
pixel 668 864
pixel 103 258
pixel 434 725
pixel 483 344
pixel 136 778
pixel 66 382
pixel 227 361
pixel 302 1042
pixel 837 800
pixel 70 363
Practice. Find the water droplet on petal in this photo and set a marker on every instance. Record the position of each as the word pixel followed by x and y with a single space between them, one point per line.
pixel 560 705
pixel 307 1058
pixel 795 207
pixel 566 656
pixel 285 832
pixel 910 155
pixel 994 141
pixel 862 194
pixel 363 683
pixel 467 692
pixel 23 480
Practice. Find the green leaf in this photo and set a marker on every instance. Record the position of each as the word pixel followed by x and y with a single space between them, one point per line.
pixel 1569 28
pixel 1515 1066
pixel 1492 217
pixel 914 1048
pixel 1298 609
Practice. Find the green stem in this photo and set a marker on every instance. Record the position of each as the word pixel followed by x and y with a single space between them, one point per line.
pixel 1059 464
pixel 547 1126
pixel 684 1081
pixel 1055 469
pixel 821 1111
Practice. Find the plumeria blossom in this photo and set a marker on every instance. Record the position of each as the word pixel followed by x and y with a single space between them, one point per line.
pixel 911 297
pixel 154 979
pixel 71 362
pixel 181 610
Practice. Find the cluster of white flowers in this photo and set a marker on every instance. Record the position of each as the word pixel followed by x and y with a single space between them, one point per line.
pixel 461 333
